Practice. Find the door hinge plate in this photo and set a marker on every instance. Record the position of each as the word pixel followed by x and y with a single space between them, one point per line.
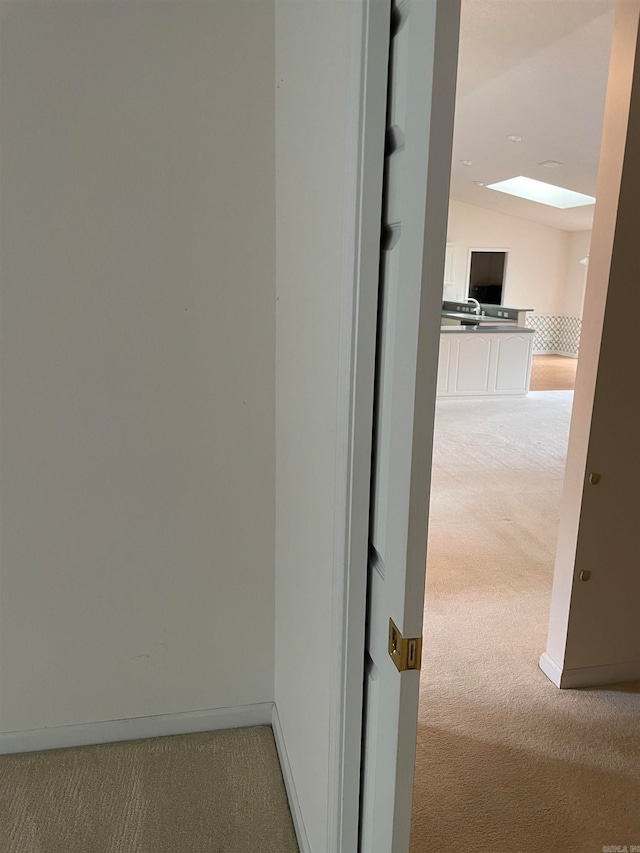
pixel 405 652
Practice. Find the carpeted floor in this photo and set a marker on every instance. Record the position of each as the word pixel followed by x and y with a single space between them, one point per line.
pixel 506 762
pixel 218 792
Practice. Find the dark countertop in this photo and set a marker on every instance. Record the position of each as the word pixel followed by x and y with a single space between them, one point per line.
pixel 487 327
pixel 459 315
pixel 448 302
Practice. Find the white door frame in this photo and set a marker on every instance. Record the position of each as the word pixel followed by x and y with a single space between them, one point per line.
pixel 364 164
pixel 364 161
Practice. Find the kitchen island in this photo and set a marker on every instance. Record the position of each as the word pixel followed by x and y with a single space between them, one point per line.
pixel 484 360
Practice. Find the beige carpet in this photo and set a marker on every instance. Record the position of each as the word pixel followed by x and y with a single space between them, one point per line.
pixel 219 792
pixel 506 762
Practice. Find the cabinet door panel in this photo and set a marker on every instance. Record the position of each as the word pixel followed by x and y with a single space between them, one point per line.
pixel 513 363
pixel 473 365
pixel 447 343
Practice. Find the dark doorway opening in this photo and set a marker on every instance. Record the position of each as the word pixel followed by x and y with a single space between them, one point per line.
pixel 486 276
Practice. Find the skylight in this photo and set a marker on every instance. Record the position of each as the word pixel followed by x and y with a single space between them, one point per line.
pixel 542 192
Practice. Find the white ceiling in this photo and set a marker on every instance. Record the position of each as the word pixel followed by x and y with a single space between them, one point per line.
pixel 538 69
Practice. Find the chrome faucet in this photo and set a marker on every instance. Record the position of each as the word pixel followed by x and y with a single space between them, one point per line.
pixel 477 309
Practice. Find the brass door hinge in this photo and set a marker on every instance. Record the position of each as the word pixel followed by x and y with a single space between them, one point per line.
pixel 405 653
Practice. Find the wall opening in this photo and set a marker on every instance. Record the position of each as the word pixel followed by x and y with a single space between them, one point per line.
pixel 486 276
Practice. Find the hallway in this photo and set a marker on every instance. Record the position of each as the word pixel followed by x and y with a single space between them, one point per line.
pixel 505 760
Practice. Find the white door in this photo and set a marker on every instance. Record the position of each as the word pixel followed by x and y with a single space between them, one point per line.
pixel 422 71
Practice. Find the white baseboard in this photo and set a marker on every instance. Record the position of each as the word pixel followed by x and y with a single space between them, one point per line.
pixel 136 728
pixel 555 352
pixel 289 783
pixel 550 669
pixel 589 676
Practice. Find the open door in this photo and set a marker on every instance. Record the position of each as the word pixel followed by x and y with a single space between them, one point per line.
pixel 420 109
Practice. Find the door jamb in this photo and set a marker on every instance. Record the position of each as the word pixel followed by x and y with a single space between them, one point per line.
pixel 368 37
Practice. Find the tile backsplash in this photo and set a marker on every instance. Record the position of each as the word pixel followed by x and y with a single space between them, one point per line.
pixel 555 333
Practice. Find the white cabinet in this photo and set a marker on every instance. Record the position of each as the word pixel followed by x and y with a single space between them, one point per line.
pixel 472 374
pixel 480 364
pixel 513 363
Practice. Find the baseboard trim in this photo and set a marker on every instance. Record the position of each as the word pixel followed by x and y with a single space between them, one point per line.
pixel 555 352
pixel 550 669
pixel 589 676
pixel 289 783
pixel 136 728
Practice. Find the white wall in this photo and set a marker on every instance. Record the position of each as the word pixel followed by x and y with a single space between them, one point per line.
pixel 538 256
pixel 311 74
pixel 593 625
pixel 573 297
pixel 138 323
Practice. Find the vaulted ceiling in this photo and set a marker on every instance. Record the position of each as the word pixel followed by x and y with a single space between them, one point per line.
pixel 535 69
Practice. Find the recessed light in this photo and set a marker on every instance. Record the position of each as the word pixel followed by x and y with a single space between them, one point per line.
pixel 542 192
pixel 515 138
pixel 479 183
pixel 467 162
pixel 551 164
